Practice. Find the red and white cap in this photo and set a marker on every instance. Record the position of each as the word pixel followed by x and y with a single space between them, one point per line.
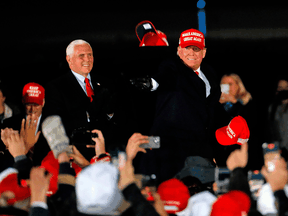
pixel 149 36
pixel 175 195
pixel 192 37
pixel 33 93
pixel 237 132
pixel 9 182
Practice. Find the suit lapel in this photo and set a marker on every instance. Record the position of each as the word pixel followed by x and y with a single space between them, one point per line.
pixel 75 90
pixel 193 83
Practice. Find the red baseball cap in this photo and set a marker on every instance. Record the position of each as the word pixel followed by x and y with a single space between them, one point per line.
pixel 33 93
pixel 232 203
pixel 174 194
pixel 9 182
pixel 237 132
pixel 149 36
pixel 192 37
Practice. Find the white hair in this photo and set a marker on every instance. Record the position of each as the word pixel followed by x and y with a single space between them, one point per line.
pixel 70 47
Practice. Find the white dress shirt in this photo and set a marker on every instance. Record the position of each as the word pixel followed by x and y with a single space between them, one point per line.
pixel 81 80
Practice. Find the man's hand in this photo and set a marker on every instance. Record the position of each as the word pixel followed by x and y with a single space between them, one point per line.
pixel 279 177
pixel 238 158
pixel 78 158
pixel 159 205
pixel 15 143
pixel 39 184
pixel 5 133
pixel 28 131
pixel 133 148
pixel 99 143
pixel 142 83
pixel 127 176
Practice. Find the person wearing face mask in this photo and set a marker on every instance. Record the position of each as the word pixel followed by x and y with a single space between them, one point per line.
pixel 187 105
pixel 278 116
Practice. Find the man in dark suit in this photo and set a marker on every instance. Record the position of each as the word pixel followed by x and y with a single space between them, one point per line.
pixel 187 102
pixel 29 125
pixel 79 98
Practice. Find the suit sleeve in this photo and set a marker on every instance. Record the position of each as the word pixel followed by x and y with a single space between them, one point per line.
pixel 38 211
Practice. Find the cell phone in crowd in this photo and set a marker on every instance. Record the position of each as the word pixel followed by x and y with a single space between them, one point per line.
pixel 225 88
pixel 256 181
pixel 83 137
pixel 154 143
pixel 222 179
pixel 271 153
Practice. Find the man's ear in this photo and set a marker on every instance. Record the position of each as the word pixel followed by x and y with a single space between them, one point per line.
pixel 68 59
pixel 43 102
pixel 204 52
pixel 178 49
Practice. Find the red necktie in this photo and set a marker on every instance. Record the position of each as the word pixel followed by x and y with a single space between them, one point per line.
pixel 89 89
pixel 197 72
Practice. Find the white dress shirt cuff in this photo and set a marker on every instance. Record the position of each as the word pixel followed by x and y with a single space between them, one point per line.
pixel 154 85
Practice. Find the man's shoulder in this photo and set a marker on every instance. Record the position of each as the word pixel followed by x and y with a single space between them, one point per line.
pixel 62 81
pixel 14 121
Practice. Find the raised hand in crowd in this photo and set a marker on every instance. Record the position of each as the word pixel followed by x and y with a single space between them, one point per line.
pixel 5 133
pixel 238 158
pixel 279 177
pixel 78 158
pixel 39 184
pixel 126 169
pixel 99 143
pixel 133 148
pixel 14 142
pixel 28 131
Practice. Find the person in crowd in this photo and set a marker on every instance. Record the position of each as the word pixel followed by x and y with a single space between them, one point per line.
pixel 187 105
pixel 6 110
pixel 236 100
pixel 82 98
pixel 33 98
pixel 273 198
pixel 278 117
pixel 238 199
pixel 234 97
pixel 76 195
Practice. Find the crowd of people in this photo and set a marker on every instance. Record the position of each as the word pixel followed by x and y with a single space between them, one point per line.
pixel 64 155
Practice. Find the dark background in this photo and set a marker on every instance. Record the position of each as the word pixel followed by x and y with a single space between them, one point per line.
pixel 245 37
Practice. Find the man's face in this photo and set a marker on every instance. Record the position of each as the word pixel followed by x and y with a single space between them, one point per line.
pixel 192 56
pixel 81 60
pixel 34 109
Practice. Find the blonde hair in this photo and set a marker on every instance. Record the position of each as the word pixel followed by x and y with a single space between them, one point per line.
pixel 242 94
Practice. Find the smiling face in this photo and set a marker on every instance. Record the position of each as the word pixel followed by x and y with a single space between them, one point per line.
pixel 192 56
pixel 81 61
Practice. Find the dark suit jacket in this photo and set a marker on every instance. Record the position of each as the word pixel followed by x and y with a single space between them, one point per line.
pixel 41 148
pixel 66 98
pixel 183 112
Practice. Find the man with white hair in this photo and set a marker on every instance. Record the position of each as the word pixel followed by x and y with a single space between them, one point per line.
pixel 78 96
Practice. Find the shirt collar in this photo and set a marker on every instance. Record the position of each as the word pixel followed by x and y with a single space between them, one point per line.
pixel 80 77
